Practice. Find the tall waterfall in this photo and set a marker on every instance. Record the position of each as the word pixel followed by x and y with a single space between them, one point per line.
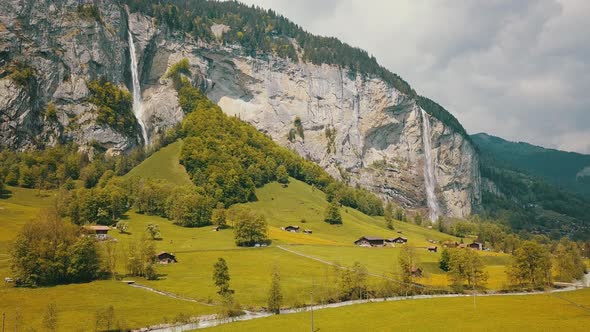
pixel 429 179
pixel 137 104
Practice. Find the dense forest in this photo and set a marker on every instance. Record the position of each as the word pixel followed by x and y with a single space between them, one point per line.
pixel 264 32
pixel 534 189
pixel 560 168
pixel 530 204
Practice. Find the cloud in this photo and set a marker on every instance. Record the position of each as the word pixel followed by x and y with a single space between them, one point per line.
pixel 516 69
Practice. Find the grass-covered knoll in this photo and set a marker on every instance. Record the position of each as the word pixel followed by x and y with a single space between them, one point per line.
pixel 163 165
pixel 494 313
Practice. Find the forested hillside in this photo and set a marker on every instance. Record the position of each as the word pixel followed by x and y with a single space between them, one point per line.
pixel 535 189
pixel 567 170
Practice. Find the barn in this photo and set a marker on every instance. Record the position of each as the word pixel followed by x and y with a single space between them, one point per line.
pixel 166 258
pixel 370 241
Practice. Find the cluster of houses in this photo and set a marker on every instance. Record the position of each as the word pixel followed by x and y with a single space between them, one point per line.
pixel 375 241
pixel 296 229
pixel 101 233
pixel 474 245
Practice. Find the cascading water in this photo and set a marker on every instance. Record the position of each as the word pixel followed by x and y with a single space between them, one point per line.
pixel 137 104
pixel 429 179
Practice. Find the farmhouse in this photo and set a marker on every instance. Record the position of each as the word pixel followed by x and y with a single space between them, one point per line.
pixel 166 258
pixel 291 228
pixel 370 241
pixel 398 239
pixel 476 245
pixel 98 231
pixel 432 248
pixel 307 231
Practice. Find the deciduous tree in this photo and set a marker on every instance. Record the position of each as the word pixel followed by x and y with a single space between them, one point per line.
pixel 531 266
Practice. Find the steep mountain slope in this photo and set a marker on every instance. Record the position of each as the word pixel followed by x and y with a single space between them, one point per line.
pixel 567 170
pixel 330 102
pixel 534 189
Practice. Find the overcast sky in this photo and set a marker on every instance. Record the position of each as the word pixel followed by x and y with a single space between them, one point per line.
pixel 515 69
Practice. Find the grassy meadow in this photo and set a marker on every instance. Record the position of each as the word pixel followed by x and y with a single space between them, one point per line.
pixel 307 267
pixel 551 312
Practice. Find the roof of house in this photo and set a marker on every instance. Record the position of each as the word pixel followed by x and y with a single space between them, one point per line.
pixel 371 238
pixel 291 226
pixel 398 238
pixel 164 253
pixel 97 228
pixel 432 247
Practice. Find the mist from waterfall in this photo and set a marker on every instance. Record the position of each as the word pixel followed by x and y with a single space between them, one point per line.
pixel 137 103
pixel 429 179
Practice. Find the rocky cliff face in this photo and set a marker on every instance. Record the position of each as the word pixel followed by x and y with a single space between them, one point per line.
pixel 360 130
pixel 66 48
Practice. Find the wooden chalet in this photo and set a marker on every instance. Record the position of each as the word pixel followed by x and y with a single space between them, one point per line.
pixel 399 239
pixel 433 248
pixel 307 231
pixel 292 229
pixel 370 241
pixel 98 231
pixel 476 246
pixel 166 258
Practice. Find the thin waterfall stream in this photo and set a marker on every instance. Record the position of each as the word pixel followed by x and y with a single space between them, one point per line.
pixel 429 178
pixel 137 102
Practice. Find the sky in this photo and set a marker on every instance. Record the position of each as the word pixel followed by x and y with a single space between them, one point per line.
pixel 515 69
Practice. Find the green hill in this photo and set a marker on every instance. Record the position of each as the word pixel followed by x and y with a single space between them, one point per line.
pixel 163 165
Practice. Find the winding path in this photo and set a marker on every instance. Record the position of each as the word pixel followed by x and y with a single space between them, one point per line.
pixel 171 295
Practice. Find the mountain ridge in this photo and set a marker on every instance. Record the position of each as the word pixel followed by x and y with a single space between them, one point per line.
pixel 561 168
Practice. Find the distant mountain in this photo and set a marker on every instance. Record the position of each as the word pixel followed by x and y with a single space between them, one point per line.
pixel 567 170
pixel 533 189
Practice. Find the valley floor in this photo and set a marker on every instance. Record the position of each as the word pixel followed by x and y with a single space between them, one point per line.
pixel 564 311
pixel 307 263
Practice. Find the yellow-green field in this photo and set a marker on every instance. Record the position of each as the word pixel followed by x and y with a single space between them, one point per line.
pixel 307 266
pixel 492 313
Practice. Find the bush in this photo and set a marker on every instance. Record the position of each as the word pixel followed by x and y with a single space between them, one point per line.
pixel 23 74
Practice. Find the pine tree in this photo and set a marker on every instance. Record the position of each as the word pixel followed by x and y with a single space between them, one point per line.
pixel 443 263
pixel 388 214
pixel 221 277
pixel 275 296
